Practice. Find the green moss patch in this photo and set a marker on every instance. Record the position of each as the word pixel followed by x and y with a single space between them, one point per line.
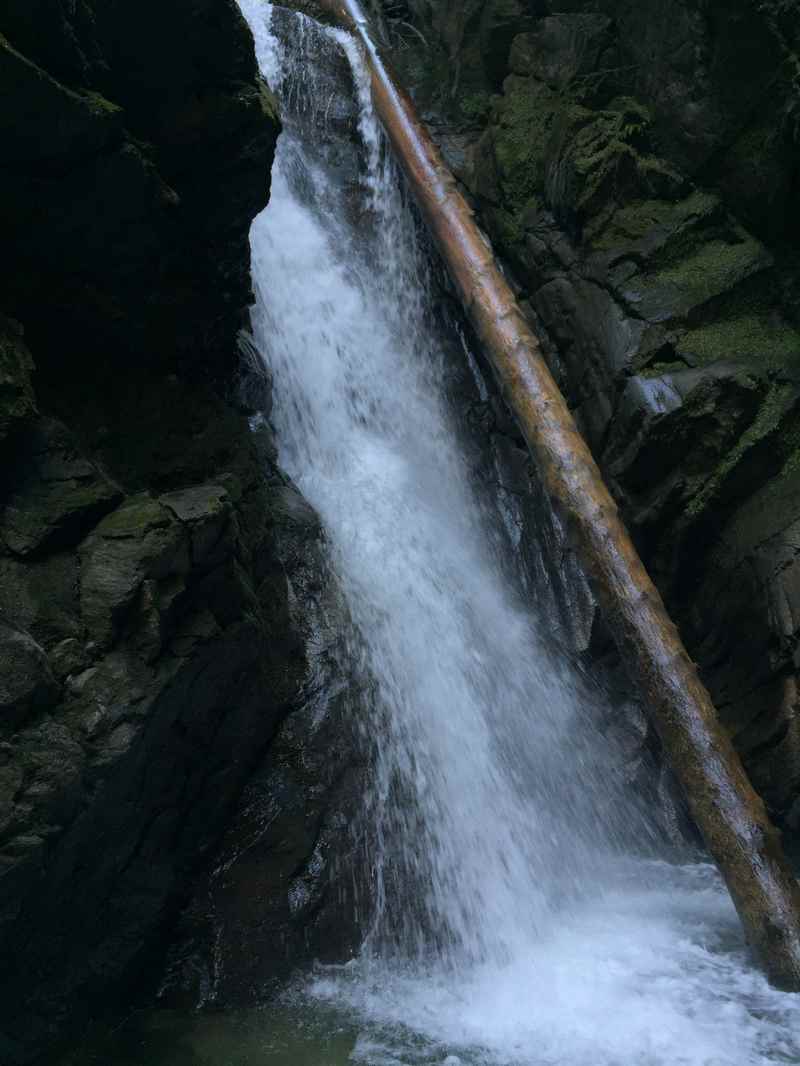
pixel 778 406
pixel 603 152
pixel 646 224
pixel 269 104
pixel 716 266
pixel 549 144
pixel 526 118
pixel 749 339
pixel 711 270
pixel 475 106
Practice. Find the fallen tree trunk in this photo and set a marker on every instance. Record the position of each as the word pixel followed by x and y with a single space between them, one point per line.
pixel 725 807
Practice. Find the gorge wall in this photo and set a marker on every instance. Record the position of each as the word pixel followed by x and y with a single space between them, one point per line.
pixel 161 582
pixel 149 644
pixel 638 168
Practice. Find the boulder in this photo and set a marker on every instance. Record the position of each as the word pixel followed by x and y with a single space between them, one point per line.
pixel 41 595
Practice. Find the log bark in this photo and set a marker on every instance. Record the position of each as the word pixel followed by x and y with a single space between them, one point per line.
pixel 725 807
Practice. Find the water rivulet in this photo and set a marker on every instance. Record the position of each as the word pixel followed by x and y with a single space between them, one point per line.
pixel 503 920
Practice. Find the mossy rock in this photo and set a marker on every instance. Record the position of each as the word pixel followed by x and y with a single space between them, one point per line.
pixel 269 103
pixel 135 519
pixel 140 541
pixel 206 511
pixel 42 596
pixel 686 421
pixel 602 157
pixel 42 120
pixel 646 229
pixel 752 339
pixel 757 455
pixel 715 267
pixel 155 432
pixel 578 161
pixel 524 122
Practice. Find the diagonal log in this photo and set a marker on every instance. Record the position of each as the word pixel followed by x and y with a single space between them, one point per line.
pixel 725 807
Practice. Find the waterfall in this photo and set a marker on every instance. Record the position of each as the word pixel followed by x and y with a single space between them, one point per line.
pixel 504 915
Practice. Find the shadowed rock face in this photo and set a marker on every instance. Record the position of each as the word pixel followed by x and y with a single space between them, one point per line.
pixel 149 646
pixel 134 143
pixel 627 167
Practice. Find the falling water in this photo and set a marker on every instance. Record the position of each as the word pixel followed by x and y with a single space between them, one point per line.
pixel 482 766
pixel 506 925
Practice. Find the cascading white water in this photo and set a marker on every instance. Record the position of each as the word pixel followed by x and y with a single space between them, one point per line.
pixel 473 721
pixel 504 917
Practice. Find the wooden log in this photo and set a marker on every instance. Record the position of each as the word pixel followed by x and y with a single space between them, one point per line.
pixel 730 815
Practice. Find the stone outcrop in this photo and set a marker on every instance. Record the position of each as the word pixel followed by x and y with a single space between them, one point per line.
pixel 646 200
pixel 149 644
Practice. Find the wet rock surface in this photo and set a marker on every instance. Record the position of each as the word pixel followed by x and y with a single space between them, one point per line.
pixel 148 655
pixel 150 635
pixel 279 893
pixel 646 206
pixel 286 887
pixel 175 736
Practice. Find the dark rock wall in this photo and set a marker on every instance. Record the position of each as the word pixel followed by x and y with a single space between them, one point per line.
pixel 134 141
pixel 638 167
pixel 148 639
pixel 286 887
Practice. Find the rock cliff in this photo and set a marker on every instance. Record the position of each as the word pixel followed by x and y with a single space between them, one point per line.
pixel 637 167
pixel 148 646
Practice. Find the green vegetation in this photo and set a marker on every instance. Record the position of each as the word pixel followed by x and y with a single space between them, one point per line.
pixel 476 106
pixel 600 148
pixel 750 339
pixel 549 144
pixel 526 118
pixel 637 223
pixel 779 402
pixel 99 105
pixel 712 268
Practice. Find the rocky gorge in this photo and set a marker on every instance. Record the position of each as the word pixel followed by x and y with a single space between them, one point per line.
pixel 148 640
pixel 166 780
pixel 638 171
